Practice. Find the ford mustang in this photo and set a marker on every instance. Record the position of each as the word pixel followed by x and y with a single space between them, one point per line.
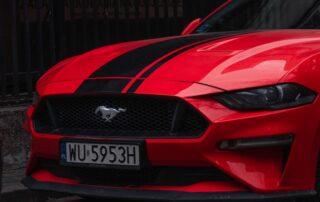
pixel 227 111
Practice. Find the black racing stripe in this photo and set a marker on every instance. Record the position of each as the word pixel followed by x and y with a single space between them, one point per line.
pixel 162 62
pixel 135 86
pixel 102 86
pixel 132 62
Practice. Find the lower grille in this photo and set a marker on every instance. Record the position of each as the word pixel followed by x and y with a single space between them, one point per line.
pixel 143 116
pixel 155 176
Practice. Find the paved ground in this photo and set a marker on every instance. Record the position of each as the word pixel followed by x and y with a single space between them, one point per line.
pixel 11 180
pixel 77 199
pixel 14 191
pixel 69 199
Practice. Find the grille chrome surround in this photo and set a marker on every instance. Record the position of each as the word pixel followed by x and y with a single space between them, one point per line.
pixel 146 117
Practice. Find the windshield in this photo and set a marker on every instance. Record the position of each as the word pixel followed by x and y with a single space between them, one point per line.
pixel 258 14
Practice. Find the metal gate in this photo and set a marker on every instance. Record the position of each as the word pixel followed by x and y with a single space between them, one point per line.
pixel 35 34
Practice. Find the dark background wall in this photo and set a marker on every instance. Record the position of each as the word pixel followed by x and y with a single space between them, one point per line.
pixel 35 34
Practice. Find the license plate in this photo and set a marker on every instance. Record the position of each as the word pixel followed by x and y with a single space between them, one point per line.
pixel 100 154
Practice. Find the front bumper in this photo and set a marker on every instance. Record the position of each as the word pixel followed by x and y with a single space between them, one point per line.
pixel 262 170
pixel 132 194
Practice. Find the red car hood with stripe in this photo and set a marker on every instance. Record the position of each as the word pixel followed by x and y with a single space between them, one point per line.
pixel 229 62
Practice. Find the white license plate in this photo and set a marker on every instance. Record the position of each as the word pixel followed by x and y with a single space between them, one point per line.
pixel 100 154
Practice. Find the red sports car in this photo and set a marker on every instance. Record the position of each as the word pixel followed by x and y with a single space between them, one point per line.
pixel 228 111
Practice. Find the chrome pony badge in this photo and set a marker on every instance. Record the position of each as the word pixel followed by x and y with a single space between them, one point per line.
pixel 108 113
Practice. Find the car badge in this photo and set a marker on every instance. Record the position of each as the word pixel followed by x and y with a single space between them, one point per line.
pixel 107 114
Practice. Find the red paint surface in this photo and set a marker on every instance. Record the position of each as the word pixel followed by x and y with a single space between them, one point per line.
pixel 239 62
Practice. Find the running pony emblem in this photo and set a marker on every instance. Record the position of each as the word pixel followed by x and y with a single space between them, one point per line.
pixel 108 113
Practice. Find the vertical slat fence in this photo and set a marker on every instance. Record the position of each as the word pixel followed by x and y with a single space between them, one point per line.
pixel 43 32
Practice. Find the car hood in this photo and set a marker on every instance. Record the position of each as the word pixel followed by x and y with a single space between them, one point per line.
pixel 224 61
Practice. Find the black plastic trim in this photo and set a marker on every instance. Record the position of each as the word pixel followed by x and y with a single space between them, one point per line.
pixel 126 194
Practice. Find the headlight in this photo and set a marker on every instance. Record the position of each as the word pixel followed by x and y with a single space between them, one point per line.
pixel 268 98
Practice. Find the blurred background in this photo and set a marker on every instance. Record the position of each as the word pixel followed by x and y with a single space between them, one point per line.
pixel 35 34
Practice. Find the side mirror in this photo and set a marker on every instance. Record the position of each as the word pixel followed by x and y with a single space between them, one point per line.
pixel 191 26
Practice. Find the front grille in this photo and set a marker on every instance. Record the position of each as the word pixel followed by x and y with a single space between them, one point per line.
pixel 154 176
pixel 145 116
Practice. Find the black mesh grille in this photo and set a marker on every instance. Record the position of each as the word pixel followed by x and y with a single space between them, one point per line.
pixel 145 116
